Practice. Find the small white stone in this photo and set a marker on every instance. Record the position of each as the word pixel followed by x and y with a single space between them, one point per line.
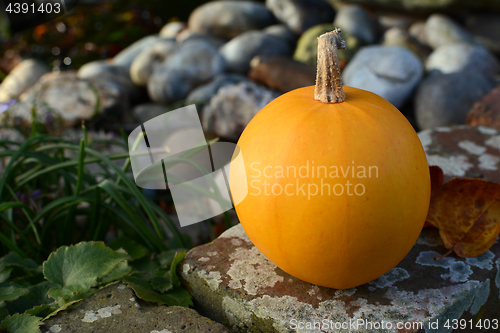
pixel 204 259
pixel 425 138
pixel 162 331
pixel 488 162
pixel 122 286
pixel 55 328
pixel 471 147
pixel 494 142
pixel 451 166
pixel 91 316
pixel 212 253
pixel 443 129
pixel 487 130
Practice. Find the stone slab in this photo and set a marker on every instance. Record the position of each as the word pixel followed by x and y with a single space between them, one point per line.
pixel 464 151
pixel 116 309
pixel 233 283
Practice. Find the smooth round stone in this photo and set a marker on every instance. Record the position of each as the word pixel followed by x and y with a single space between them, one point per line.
pixel 188 35
pixel 307 46
pixel 228 19
pixel 144 64
pixel 300 15
pixel 281 31
pixel 101 71
pixel 22 77
pixel 239 51
pixel 397 36
pixel 203 93
pixel 127 55
pixel 441 30
pixel 65 96
pixel 445 99
pixel 357 22
pixel 486 28
pixel 148 111
pixel 194 63
pixel 452 58
pixel 171 29
pixel 388 71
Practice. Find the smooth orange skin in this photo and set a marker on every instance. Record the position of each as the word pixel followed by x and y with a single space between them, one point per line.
pixel 334 241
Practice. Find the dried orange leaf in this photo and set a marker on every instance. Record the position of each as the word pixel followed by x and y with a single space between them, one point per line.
pixel 467 213
pixel 437 178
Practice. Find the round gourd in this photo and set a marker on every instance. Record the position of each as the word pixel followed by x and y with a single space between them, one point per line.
pixel 338 184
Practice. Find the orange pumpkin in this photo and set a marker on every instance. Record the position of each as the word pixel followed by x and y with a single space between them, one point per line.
pixel 338 190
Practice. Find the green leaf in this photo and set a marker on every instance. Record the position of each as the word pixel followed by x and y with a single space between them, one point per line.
pixel 3 313
pixel 135 250
pixel 21 323
pixel 10 292
pixel 5 274
pixel 13 259
pixel 117 273
pixel 161 283
pixel 145 291
pixel 40 310
pixel 179 296
pixel 77 267
pixel 166 258
pixel 36 296
pixel 173 273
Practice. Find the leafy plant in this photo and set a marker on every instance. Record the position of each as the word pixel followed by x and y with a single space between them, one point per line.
pixel 30 293
pixel 46 186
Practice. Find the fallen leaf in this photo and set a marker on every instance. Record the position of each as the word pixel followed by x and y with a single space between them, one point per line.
pixel 467 214
pixel 437 178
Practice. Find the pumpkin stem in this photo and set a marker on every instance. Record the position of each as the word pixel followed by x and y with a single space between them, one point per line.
pixel 328 81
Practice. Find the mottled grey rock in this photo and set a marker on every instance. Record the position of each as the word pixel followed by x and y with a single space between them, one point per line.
pixel 486 29
pixel 228 19
pixel 389 71
pixel 104 72
pixel 239 51
pixel 145 63
pixel 452 58
pixel 117 309
pixel 203 93
pixel 66 98
pixel 300 15
pixel 441 30
pixel 147 111
pixel 307 46
pixel 22 77
pixel 232 108
pixel 463 151
pixel 194 63
pixel 171 29
pixel 127 56
pixel 445 99
pixel 234 283
pixel 355 20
